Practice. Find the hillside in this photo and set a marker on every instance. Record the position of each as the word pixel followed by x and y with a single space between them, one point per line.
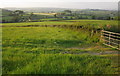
pixel 5 12
pixel 38 9
pixel 47 14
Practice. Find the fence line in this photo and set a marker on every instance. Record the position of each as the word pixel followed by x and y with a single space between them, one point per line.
pixel 111 39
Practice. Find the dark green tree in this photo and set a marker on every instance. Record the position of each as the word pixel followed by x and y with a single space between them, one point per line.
pixel 68 11
pixel 30 16
pixel 18 15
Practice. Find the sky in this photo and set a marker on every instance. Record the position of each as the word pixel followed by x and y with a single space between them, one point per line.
pixel 79 4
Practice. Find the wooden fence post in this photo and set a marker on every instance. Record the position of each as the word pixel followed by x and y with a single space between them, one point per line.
pixel 118 43
pixel 109 38
pixel 101 35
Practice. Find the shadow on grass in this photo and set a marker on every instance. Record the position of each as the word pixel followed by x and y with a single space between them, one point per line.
pixel 34 43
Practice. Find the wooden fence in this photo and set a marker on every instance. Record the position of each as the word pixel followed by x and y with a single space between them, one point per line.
pixel 111 39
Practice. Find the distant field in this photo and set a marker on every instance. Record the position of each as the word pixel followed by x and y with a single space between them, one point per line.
pixel 84 20
pixel 44 13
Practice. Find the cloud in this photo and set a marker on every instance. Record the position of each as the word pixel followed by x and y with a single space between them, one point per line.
pixel 17 1
pixel 78 5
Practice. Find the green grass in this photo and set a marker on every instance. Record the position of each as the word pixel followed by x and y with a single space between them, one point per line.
pixel 39 50
pixel 51 19
pixel 0 50
pixel 66 22
pixel 99 24
pixel 57 64
pixel 38 38
pixel 87 24
pixel 37 23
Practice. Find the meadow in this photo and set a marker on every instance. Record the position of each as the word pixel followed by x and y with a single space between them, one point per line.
pixel 87 24
pixel 31 49
pixel 44 13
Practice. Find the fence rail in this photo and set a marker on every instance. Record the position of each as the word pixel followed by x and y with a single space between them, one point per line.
pixel 111 39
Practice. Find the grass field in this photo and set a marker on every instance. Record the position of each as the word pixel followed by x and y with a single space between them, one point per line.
pixel 37 23
pixel 56 64
pixel 44 13
pixel 54 50
pixel 89 24
pixel 45 37
pixel 66 22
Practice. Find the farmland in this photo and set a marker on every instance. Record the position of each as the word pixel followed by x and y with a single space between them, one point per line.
pixel 58 41
pixel 88 24
pixel 44 13
pixel 55 50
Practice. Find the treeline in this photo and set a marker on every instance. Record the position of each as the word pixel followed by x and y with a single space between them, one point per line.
pixel 16 16
pixel 21 16
pixel 94 14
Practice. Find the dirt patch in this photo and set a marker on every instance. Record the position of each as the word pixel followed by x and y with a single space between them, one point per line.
pixel 94 53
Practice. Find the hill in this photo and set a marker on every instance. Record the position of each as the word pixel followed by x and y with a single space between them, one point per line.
pixel 42 13
pixel 5 12
pixel 38 9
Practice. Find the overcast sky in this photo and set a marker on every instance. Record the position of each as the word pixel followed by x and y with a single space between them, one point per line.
pixel 79 4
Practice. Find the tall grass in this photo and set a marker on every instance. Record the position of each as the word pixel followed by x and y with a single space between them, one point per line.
pixel 45 37
pixel 41 50
pixel 57 64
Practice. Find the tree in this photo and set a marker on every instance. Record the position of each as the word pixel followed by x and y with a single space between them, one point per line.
pixel 93 17
pixel 16 19
pixel 68 11
pixel 55 15
pixel 18 15
pixel 30 16
pixel 108 18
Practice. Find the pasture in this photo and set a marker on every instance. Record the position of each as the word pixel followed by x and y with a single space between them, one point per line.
pixel 44 13
pixel 31 49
